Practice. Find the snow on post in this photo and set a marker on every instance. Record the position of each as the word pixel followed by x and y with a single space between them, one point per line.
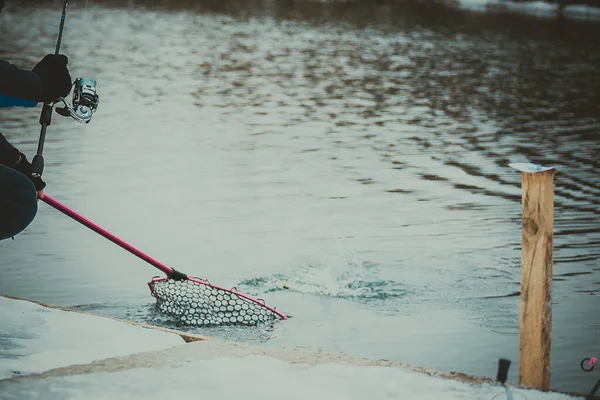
pixel 536 274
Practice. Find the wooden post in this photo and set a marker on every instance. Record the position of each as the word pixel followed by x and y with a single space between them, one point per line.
pixel 536 278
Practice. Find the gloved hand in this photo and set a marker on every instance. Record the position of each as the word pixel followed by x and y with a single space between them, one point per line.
pixel 55 77
pixel 24 167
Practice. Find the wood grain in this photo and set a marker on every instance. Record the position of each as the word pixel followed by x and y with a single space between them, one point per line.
pixel 537 261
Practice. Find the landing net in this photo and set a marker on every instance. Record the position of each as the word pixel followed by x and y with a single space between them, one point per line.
pixel 194 301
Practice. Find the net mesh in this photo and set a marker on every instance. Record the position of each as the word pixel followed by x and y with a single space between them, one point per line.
pixel 200 304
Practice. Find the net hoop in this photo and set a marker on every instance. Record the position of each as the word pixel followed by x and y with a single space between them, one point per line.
pixel 234 291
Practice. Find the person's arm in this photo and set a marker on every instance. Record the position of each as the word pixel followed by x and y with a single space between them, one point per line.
pixel 7 101
pixel 13 158
pixel 9 155
pixel 19 83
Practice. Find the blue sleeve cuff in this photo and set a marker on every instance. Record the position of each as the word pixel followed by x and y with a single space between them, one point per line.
pixel 8 101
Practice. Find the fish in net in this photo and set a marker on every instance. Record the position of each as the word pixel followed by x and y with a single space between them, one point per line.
pixel 197 302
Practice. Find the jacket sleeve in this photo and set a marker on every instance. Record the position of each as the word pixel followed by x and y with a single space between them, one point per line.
pixel 7 101
pixel 19 83
pixel 8 153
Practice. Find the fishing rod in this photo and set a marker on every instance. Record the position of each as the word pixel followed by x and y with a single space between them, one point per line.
pixel 192 300
pixel 84 103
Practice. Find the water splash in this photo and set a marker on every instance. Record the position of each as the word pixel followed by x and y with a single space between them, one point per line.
pixel 353 280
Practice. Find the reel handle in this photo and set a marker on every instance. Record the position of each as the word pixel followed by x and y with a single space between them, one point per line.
pixel 64 111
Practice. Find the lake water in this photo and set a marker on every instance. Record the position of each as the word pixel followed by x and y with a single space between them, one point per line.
pixel 359 152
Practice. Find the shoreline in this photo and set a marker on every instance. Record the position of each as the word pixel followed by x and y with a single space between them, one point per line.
pixel 213 347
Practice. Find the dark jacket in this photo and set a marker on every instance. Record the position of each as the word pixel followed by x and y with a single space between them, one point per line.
pixel 19 84
pixel 18 87
pixel 8 153
pixel 18 197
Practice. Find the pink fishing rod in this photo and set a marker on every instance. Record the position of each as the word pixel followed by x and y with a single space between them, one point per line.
pixel 222 295
pixel 119 242
pixel 192 300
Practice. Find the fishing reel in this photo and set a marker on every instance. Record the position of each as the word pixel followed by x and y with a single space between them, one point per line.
pixel 85 101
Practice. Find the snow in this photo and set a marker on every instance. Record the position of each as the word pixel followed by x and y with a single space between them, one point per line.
pixel 34 338
pixel 262 378
pixel 151 364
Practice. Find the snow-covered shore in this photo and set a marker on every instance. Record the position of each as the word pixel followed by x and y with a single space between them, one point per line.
pixel 50 353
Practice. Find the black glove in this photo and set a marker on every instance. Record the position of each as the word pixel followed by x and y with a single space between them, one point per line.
pixel 24 167
pixel 55 77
